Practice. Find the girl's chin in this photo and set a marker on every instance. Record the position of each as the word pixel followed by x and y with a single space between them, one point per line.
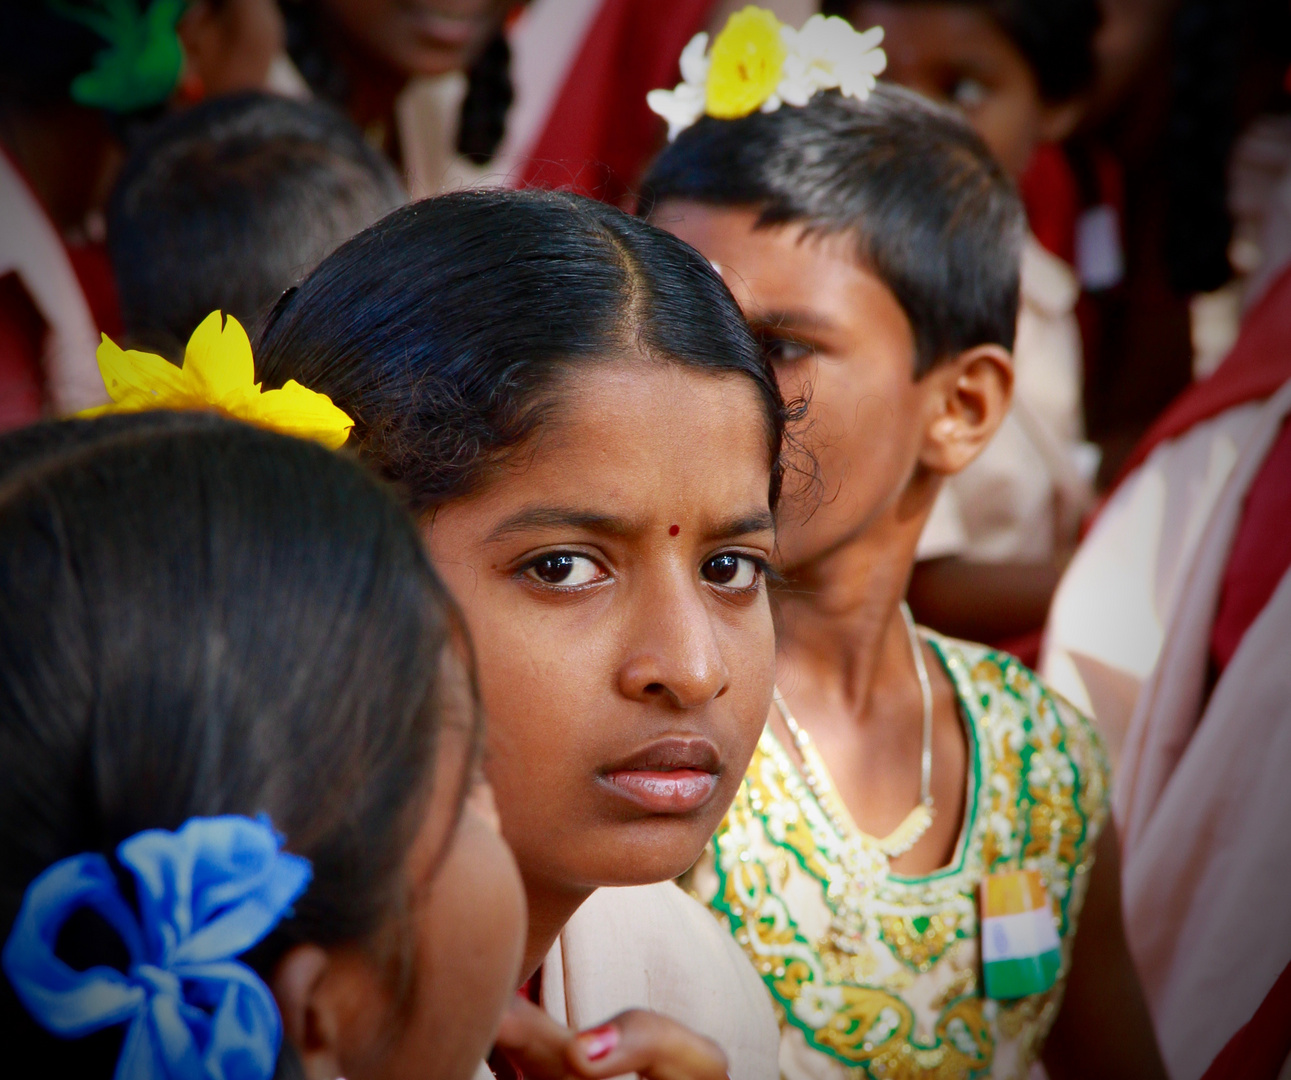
pixel 653 850
pixel 618 853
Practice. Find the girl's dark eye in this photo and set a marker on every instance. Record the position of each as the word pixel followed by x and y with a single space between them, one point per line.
pixel 564 568
pixel 731 571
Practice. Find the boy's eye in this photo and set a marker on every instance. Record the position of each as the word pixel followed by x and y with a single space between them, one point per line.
pixel 731 571
pixel 968 94
pixel 781 350
pixel 564 568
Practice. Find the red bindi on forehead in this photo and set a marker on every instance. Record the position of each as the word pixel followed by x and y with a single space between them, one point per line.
pixel 674 530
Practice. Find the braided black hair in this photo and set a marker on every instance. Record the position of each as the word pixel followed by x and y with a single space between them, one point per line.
pixel 489 94
pixel 1199 139
pixel 489 90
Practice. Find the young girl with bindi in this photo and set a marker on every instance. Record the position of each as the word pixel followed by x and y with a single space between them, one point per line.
pixel 922 825
pixel 572 404
pixel 281 859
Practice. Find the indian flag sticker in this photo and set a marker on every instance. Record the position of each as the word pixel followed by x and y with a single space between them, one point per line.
pixel 1020 953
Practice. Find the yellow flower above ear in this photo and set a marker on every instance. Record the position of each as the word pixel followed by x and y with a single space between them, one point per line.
pixel 746 63
pixel 219 374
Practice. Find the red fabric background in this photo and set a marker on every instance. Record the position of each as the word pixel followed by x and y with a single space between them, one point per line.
pixel 1258 364
pixel 1261 553
pixel 22 335
pixel 1259 1049
pixel 600 135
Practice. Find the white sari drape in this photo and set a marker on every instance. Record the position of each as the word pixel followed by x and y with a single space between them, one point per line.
pixel 1203 789
pixel 653 947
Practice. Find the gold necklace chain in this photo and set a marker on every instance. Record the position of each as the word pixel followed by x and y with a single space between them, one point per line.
pixel 919 820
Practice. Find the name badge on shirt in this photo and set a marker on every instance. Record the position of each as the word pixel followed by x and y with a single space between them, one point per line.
pixel 1020 949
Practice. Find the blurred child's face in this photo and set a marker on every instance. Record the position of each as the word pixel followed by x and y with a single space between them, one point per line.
pixel 424 1000
pixel 838 336
pixel 956 54
pixel 611 578
pixel 420 37
pixel 230 46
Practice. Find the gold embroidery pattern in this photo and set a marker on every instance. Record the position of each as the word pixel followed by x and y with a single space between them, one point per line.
pixel 881 973
pixel 920 940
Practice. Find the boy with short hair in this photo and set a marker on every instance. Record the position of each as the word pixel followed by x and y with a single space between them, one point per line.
pixel 874 246
pixel 228 204
pixel 1018 71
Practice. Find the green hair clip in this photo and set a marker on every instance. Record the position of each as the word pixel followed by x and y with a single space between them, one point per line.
pixel 142 63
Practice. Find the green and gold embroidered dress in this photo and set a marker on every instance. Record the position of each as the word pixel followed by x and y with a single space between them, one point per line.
pixel 877 975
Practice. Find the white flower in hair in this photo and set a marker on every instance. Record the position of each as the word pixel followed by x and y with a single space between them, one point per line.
pixel 684 105
pixel 837 57
pixel 757 62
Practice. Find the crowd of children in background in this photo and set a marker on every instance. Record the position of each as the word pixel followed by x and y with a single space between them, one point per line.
pixel 732 474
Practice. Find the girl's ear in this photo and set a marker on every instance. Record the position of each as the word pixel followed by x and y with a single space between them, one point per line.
pixel 970 398
pixel 309 1018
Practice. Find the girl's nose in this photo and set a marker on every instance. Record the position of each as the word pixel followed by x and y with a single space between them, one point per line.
pixel 675 652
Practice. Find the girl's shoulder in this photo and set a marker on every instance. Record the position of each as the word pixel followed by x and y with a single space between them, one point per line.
pixel 1005 700
pixel 654 947
pixel 1041 783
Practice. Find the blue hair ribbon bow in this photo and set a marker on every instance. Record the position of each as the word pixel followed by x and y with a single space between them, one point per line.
pixel 206 894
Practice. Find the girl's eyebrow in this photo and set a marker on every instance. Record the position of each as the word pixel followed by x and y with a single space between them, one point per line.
pixel 760 521
pixel 548 517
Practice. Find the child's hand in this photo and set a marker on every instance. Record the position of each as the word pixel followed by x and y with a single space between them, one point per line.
pixel 636 1041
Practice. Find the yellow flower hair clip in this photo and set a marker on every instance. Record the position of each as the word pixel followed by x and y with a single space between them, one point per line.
pixel 218 373
pixel 757 62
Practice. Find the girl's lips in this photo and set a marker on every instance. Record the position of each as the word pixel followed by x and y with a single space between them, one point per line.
pixel 671 791
pixel 673 775
pixel 446 30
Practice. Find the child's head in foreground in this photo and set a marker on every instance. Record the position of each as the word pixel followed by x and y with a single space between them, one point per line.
pixel 231 202
pixel 209 633
pixel 573 405
pixel 1017 69
pixel 874 248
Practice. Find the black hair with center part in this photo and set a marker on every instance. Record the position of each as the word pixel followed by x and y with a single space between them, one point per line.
pixel 934 216
pixel 1055 37
pixel 229 203
pixel 200 618
pixel 445 329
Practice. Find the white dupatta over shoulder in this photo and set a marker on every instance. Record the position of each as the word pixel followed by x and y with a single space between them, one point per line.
pixel 653 947
pixel 1203 788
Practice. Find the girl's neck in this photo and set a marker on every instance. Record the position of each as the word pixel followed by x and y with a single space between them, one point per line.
pixel 840 624
pixel 849 675
pixel 550 908
pixel 373 87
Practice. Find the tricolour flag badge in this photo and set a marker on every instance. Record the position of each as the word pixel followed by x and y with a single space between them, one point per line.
pixel 1020 952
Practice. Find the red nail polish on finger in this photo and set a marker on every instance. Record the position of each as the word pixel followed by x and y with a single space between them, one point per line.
pixel 598 1042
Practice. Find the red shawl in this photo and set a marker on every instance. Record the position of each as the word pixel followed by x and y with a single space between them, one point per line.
pixel 1258 364
pixel 600 135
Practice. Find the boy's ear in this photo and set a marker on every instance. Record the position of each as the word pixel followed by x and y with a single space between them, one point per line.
pixel 310 1021
pixel 1058 121
pixel 970 398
